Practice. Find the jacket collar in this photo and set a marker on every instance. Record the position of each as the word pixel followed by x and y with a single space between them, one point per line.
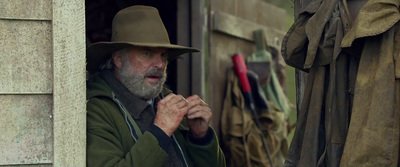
pixel 376 12
pixel 134 104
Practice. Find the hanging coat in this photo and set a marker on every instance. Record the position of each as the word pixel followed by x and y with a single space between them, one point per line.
pixel 373 136
pixel 349 111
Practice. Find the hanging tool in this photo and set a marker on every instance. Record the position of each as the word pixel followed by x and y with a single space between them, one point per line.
pixel 261 61
pixel 263 64
pixel 241 70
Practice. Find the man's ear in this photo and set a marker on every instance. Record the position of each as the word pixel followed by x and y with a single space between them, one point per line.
pixel 117 59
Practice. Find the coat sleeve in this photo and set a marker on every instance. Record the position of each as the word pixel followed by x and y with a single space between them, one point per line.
pixel 109 142
pixel 209 154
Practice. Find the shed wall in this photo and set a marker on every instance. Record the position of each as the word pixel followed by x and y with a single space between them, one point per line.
pixel 231 31
pixel 42 83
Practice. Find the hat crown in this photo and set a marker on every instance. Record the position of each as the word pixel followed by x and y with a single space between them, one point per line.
pixel 134 26
pixel 139 24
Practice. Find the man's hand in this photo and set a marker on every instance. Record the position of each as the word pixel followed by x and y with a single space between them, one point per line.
pixel 170 113
pixel 198 116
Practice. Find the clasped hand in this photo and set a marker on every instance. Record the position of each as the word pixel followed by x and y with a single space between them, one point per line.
pixel 173 108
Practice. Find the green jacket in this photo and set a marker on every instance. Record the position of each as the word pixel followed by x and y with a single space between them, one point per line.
pixel 111 141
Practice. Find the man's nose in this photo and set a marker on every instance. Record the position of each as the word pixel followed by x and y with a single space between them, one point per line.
pixel 159 61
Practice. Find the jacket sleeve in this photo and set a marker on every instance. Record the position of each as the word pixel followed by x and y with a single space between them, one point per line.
pixel 209 154
pixel 109 142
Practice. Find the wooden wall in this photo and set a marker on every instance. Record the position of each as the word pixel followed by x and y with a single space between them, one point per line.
pixel 42 71
pixel 231 26
pixel 42 83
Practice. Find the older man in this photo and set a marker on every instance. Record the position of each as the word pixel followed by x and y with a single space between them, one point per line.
pixel 132 119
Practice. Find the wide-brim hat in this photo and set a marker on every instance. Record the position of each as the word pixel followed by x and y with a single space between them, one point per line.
pixel 134 26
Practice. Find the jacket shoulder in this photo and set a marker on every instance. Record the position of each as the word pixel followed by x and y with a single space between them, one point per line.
pixel 96 87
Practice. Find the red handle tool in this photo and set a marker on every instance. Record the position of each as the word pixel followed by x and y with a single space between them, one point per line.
pixel 241 71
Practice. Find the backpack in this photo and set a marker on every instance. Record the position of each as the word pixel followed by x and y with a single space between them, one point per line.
pixel 240 136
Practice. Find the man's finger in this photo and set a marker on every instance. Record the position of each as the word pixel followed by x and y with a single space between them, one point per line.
pixel 199 112
pixel 167 98
pixel 177 99
pixel 196 101
pixel 180 104
pixel 173 98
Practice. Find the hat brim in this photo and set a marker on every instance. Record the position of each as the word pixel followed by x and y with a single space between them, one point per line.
pixel 99 52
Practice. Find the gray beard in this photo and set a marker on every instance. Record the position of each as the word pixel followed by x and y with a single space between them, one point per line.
pixel 136 84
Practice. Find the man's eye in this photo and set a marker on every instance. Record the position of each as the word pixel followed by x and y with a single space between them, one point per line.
pixel 147 53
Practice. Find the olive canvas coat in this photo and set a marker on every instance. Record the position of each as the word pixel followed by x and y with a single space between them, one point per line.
pixel 114 139
pixel 349 115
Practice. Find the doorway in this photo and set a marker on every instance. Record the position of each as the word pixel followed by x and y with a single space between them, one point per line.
pixel 100 13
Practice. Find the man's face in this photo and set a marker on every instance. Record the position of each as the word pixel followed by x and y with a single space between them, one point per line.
pixel 142 70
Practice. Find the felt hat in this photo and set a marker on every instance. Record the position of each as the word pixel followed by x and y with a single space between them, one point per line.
pixel 134 26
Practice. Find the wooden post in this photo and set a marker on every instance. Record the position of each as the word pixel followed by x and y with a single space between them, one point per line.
pixel 69 89
pixel 42 76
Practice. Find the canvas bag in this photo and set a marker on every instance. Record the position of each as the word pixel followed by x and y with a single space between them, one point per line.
pixel 241 139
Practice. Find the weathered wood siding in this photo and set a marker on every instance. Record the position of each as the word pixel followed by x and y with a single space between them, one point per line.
pixel 231 26
pixel 42 83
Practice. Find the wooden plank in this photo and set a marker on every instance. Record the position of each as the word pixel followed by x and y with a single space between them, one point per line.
pixel 69 83
pixel 190 67
pixel 247 9
pixel 244 29
pixel 26 123
pixel 26 63
pixel 252 10
pixel 229 7
pixel 30 165
pixel 183 38
pixel 271 16
pixel 262 13
pixel 199 26
pixel 25 9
